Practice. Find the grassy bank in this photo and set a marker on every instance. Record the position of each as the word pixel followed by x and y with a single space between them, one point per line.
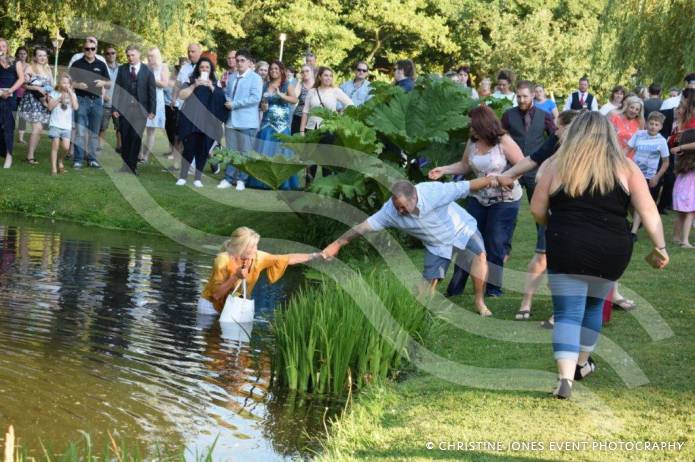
pixel 90 196
pixel 396 421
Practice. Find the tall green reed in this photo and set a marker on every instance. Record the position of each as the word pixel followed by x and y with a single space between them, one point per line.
pixel 325 340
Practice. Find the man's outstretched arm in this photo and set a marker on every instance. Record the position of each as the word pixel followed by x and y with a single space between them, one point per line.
pixel 332 250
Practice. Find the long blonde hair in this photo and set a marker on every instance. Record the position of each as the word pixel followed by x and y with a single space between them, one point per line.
pixel 157 57
pixel 589 157
pixel 241 239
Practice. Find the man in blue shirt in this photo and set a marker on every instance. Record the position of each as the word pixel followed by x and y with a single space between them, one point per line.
pixel 243 92
pixel 358 89
pixel 428 211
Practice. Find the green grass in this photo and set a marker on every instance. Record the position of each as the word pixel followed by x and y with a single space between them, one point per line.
pixel 328 342
pixel 396 421
pixel 90 196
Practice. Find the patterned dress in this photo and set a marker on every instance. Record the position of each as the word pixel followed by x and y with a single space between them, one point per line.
pixel 276 120
pixel 31 109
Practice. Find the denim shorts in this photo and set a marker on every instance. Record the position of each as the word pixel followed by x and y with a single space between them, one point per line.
pixel 62 133
pixel 436 266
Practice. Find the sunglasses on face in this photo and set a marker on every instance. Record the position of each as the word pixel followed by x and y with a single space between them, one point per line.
pixel 110 52
pixel 90 49
pixel 362 70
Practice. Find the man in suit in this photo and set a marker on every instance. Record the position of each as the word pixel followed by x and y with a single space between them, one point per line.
pixel 581 99
pixel 134 101
pixel 243 93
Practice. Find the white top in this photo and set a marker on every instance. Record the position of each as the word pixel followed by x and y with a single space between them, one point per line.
pixel 606 108
pixel 671 103
pixel 60 118
pixel 510 96
pixel 439 222
pixel 182 78
pixel 648 150
pixel 329 97
pixel 491 163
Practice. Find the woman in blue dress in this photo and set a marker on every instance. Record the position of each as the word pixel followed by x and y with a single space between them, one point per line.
pixel 277 103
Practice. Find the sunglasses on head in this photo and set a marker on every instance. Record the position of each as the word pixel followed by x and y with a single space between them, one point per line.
pixel 90 49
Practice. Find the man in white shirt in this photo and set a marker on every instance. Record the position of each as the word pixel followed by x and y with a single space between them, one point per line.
pixel 429 212
pixel 581 99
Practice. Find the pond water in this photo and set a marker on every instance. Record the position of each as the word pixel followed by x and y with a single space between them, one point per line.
pixel 99 333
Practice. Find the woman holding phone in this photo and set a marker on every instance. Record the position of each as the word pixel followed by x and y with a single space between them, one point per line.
pixel 239 260
pixel 583 197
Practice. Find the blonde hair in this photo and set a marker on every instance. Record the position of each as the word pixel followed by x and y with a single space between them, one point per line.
pixel 60 78
pixel 633 100
pixel 241 239
pixel 157 56
pixel 589 157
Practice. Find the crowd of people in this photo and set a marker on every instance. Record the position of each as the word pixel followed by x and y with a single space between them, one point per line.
pixel 585 169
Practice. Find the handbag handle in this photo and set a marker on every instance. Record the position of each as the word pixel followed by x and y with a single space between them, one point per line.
pixel 241 283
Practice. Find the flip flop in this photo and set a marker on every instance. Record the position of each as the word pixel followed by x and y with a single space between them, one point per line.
pixel 624 304
pixel 547 324
pixel 523 315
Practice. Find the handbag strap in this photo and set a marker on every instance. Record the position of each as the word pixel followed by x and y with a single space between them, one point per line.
pixel 241 283
pixel 319 95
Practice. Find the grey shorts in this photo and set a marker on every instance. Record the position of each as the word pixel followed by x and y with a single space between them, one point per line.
pixel 55 132
pixel 436 266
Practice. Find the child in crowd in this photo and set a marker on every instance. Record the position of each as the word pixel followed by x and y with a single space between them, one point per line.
pixel 649 147
pixel 684 191
pixel 62 101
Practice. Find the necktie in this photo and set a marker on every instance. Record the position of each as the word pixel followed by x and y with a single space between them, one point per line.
pixel 133 76
pixel 581 99
pixel 236 84
pixel 527 120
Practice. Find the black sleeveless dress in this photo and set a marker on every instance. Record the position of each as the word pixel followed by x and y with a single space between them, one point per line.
pixel 8 77
pixel 589 235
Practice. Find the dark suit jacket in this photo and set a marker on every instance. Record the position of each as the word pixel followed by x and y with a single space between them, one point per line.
pixel 145 92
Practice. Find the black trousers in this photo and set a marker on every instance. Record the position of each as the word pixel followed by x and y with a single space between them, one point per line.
pixel 172 114
pixel 667 182
pixel 131 129
pixel 194 148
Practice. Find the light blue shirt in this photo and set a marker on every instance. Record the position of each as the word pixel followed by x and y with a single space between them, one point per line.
pixel 648 151
pixel 245 92
pixel 441 223
pixel 358 95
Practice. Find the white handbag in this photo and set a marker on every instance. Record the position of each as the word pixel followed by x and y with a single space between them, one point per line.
pixel 238 309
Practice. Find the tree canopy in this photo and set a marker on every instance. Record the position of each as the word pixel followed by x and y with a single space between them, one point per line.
pixel 549 41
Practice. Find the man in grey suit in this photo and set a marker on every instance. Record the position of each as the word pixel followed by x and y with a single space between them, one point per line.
pixel 134 101
pixel 243 93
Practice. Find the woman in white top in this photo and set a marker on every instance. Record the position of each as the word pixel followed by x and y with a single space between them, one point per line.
pixel 616 101
pixel 488 153
pixel 161 81
pixel 324 94
pixel 464 78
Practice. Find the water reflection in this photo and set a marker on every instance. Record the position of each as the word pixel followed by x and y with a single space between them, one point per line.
pixel 100 333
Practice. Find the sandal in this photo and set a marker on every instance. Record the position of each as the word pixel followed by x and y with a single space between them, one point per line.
pixel 31 162
pixel 485 312
pixel 624 304
pixel 523 315
pixel 563 389
pixel 61 168
pixel 548 324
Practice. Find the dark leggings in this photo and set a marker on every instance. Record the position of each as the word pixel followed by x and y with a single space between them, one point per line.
pixel 170 123
pixel 194 147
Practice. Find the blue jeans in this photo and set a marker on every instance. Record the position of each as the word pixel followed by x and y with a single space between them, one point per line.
pixel 578 310
pixel 496 224
pixel 89 116
pixel 242 140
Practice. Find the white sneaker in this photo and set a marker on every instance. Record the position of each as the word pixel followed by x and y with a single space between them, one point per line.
pixel 180 182
pixel 224 184
pixel 198 184
pixel 240 186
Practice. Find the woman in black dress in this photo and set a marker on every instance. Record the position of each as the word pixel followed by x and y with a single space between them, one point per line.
pixel 11 78
pixel 583 196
